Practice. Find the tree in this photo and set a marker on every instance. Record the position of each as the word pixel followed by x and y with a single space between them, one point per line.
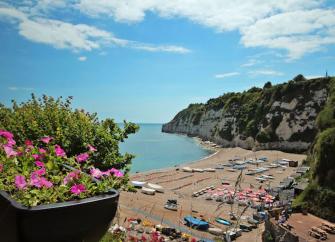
pixel 72 128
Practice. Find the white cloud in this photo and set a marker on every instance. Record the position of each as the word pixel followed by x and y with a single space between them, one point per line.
pixel 76 37
pixel 225 75
pixel 265 72
pixel 292 25
pixel 14 88
pixel 250 62
pixel 295 26
pixel 298 32
pixel 82 58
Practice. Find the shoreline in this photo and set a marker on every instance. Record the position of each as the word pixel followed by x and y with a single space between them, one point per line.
pixel 198 141
pixel 180 185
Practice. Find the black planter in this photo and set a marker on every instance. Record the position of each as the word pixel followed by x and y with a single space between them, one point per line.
pixel 84 220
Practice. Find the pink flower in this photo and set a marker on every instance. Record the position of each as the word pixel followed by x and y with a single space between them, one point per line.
pixel 35 180
pixel 28 143
pixel 9 151
pixel 71 176
pixel 46 139
pixel 96 173
pixel 6 134
pixel 39 172
pixel 91 148
pixel 20 182
pixel 36 156
pixel 11 142
pixel 82 157
pixel 77 189
pixel 59 151
pixel 116 172
pixel 1 167
pixel 39 163
pixel 42 151
pixel 45 183
pixel 39 182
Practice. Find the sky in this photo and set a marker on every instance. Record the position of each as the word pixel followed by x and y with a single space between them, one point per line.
pixel 145 60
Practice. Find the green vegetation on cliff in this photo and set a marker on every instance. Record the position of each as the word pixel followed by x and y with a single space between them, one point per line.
pixel 319 197
pixel 258 112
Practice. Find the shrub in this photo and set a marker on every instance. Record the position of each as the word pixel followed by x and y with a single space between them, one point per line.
pixel 72 129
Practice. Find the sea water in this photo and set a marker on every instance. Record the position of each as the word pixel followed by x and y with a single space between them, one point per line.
pixel 155 150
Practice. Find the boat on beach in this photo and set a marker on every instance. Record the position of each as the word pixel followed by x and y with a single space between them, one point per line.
pixel 138 183
pixel 196 223
pixel 155 187
pixel 148 191
pixel 223 221
pixel 215 231
pixel 187 169
pixel 209 169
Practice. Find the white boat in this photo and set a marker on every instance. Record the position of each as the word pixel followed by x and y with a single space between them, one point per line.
pixel 155 187
pixel 209 169
pixel 138 183
pixel 198 170
pixel 267 177
pixel 187 169
pixel 148 191
pixel 231 170
pixel 215 231
pixel 260 179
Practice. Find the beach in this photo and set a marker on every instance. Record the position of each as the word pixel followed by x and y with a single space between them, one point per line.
pixel 180 185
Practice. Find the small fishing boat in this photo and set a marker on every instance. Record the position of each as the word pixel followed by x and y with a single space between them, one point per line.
pixel 215 231
pixel 198 170
pixel 155 187
pixel 187 169
pixel 252 221
pixel 148 191
pixel 196 223
pixel 223 221
pixel 246 227
pixel 261 179
pixel 231 170
pixel 138 183
pixel 171 204
pixel 220 167
pixel 209 169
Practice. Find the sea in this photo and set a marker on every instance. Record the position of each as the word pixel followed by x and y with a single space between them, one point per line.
pixel 156 150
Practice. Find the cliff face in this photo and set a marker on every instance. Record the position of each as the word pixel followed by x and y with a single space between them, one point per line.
pixel 281 117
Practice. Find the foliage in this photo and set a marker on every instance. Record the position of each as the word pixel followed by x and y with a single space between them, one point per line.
pixel 267 85
pixel 42 173
pixel 73 129
pixel 254 113
pixel 319 196
pixel 326 117
pixel 317 200
pixel 299 78
pixel 109 237
pixel 324 158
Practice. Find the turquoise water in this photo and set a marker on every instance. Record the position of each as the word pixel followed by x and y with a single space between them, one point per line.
pixel 155 150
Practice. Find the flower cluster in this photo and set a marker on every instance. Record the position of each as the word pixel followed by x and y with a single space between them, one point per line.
pixel 43 173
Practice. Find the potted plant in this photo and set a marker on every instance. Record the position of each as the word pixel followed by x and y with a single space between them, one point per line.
pixel 46 195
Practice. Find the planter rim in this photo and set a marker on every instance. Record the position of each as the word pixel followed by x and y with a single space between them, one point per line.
pixel 110 194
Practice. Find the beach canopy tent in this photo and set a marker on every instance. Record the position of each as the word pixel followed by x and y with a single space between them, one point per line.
pixel 196 223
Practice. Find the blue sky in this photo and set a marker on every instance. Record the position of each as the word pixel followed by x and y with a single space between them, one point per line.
pixel 146 60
